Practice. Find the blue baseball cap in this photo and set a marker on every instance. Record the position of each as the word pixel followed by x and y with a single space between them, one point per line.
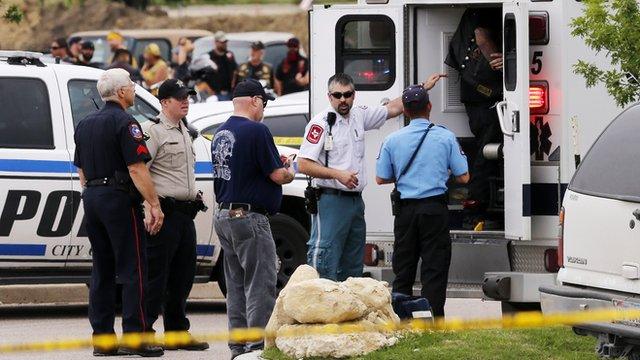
pixel 415 97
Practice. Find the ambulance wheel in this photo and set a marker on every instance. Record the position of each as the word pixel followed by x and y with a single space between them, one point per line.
pixel 291 246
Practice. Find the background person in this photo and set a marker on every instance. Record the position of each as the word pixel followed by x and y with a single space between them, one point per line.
pixel 123 59
pixel 421 227
pixel 181 59
pixel 255 68
pixel 110 155
pixel 226 66
pixel 292 74
pixel 334 156
pixel 59 49
pixel 155 70
pixel 86 54
pixel 116 41
pixel 171 253
pixel 75 44
pixel 248 177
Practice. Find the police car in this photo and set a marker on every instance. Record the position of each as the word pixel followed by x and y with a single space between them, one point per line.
pixel 42 234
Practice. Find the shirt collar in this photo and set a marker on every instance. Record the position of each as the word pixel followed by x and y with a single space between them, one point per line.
pixel 166 122
pixel 419 121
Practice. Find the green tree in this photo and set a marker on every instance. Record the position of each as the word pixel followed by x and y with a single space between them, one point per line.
pixel 612 27
pixel 12 13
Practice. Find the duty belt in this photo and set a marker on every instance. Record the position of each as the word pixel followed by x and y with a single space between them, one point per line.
pixel 244 206
pixel 331 191
pixel 441 199
pixel 106 181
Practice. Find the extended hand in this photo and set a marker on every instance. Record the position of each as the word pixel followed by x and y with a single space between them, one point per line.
pixel 348 178
pixel 432 80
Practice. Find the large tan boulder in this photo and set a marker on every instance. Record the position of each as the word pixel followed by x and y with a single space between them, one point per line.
pixel 322 301
pixel 376 296
pixel 278 316
pixel 330 345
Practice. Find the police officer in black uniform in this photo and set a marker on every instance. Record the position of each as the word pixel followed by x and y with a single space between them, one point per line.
pixel 110 156
pixel 475 52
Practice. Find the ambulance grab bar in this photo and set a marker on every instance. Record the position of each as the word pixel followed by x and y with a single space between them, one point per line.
pixel 501 107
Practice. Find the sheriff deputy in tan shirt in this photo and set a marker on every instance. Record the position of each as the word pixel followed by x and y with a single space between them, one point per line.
pixel 171 253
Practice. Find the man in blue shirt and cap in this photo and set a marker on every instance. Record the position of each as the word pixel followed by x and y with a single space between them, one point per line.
pixel 419 160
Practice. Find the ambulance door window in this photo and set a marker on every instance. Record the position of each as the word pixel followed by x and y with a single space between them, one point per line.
pixel 25 121
pixel 510 55
pixel 365 50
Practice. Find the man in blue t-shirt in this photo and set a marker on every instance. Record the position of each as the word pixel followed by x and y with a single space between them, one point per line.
pixel 248 176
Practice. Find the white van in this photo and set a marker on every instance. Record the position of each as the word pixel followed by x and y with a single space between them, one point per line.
pixel 42 234
pixel 386 45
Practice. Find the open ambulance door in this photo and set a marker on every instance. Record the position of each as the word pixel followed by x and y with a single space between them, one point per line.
pixel 365 42
pixel 513 113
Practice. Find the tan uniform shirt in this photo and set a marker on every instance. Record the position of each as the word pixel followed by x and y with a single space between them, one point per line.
pixel 173 159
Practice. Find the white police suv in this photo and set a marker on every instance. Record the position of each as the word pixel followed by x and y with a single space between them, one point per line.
pixel 42 234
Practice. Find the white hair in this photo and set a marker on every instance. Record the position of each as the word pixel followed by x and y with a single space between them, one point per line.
pixel 111 81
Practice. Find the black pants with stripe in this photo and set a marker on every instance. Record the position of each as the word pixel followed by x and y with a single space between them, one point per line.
pixel 118 244
pixel 421 231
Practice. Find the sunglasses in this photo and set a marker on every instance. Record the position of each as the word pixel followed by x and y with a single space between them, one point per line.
pixel 55 47
pixel 338 95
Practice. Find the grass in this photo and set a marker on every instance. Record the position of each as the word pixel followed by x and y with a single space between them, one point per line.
pixel 558 343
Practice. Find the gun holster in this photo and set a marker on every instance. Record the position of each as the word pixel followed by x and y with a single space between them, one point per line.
pixel 311 197
pixel 395 201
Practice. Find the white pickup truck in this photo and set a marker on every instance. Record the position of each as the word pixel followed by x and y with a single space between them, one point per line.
pixel 42 234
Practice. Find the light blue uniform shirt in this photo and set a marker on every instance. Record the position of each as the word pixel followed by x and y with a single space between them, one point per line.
pixel 428 175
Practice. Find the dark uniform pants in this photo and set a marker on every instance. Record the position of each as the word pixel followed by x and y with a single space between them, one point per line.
pixel 118 247
pixel 421 231
pixel 172 267
pixel 483 121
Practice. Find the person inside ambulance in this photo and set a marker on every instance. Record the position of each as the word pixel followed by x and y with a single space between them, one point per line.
pixel 474 51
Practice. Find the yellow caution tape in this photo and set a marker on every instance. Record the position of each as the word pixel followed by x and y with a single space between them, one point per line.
pixel 516 321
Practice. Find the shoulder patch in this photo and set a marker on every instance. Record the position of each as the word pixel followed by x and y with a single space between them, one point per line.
pixel 314 134
pixel 135 132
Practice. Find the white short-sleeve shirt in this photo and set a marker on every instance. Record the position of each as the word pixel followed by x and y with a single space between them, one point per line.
pixel 348 142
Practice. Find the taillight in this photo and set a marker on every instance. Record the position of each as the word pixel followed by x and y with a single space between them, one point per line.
pixel 538 97
pixel 551 260
pixel 538 28
pixel 561 238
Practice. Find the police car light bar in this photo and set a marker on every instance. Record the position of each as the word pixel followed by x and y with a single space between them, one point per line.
pixel 539 97
pixel 21 57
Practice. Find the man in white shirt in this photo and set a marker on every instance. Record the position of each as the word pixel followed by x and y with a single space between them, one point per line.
pixel 332 152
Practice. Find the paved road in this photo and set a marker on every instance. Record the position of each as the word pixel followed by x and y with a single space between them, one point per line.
pixel 28 323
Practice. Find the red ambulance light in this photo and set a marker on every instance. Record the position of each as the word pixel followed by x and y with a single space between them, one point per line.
pixel 539 98
pixel 538 28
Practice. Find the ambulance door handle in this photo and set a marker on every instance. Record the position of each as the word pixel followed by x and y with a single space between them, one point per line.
pixel 501 107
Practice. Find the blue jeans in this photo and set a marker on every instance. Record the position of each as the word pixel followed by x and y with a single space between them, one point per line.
pixel 338 231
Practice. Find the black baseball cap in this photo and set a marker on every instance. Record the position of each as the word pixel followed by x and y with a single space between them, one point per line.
pixel 257 45
pixel 174 88
pixel 87 45
pixel 251 87
pixel 415 97
pixel 74 39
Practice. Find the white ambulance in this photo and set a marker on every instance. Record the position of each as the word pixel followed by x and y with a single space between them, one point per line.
pixel 42 234
pixel 386 45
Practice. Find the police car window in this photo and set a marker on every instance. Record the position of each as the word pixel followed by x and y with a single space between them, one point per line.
pixel 287 130
pixel 25 120
pixel 85 99
pixel 610 170
pixel 365 49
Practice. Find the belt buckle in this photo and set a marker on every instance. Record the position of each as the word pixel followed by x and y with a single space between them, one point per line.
pixel 236 213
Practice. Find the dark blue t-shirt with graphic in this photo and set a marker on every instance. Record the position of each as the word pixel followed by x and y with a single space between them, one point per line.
pixel 243 156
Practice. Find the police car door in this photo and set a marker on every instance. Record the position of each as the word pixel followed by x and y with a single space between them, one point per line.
pixel 366 42
pixel 513 113
pixel 36 201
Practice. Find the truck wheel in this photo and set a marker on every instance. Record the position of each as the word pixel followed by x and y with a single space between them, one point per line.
pixel 291 246
pixel 217 274
pixel 513 307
